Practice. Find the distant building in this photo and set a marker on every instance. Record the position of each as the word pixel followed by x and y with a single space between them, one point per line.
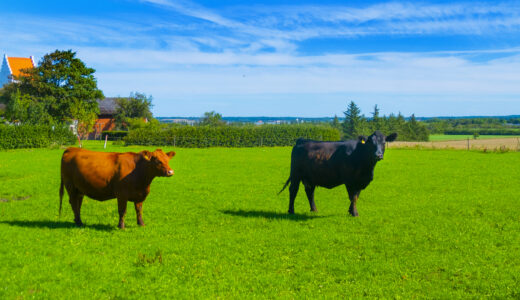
pixel 11 67
pixel 106 118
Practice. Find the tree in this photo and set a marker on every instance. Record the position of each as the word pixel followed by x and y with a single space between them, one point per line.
pixel 335 123
pixel 377 123
pixel 137 106
pixel 353 125
pixel 62 86
pixel 212 118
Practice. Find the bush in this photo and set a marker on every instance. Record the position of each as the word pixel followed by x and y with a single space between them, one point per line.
pixel 230 136
pixel 34 136
pixel 114 134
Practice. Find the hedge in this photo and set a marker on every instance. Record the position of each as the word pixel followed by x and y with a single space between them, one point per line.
pixel 230 136
pixel 114 134
pixel 34 136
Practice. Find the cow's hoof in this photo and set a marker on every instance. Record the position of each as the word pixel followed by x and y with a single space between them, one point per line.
pixel 79 223
pixel 291 212
pixel 141 224
pixel 121 226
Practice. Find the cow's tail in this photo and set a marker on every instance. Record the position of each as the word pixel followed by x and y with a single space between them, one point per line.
pixel 286 184
pixel 61 195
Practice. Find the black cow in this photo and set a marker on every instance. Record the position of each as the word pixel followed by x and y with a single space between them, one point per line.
pixel 329 164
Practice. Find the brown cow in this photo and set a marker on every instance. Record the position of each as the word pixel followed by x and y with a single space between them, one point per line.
pixel 107 175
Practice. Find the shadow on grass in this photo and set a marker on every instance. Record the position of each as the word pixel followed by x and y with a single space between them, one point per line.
pixel 55 225
pixel 269 215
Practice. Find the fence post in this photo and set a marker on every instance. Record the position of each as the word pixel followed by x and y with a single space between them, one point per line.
pixel 468 143
pixel 173 141
pixel 261 141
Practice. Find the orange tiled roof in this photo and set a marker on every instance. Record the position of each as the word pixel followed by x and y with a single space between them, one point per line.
pixel 18 63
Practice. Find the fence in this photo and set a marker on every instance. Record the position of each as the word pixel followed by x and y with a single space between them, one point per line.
pixel 499 144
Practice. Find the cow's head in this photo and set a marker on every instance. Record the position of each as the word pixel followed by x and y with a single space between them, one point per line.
pixel 375 143
pixel 158 162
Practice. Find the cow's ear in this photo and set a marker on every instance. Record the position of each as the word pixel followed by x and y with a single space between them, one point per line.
pixel 362 139
pixel 391 137
pixel 170 154
pixel 146 154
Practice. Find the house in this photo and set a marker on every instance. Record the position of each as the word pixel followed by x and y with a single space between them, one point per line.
pixel 105 120
pixel 11 67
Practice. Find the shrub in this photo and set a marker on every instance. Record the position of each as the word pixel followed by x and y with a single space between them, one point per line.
pixel 34 136
pixel 230 136
pixel 114 134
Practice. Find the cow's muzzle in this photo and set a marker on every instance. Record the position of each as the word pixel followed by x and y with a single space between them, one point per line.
pixel 169 173
pixel 379 157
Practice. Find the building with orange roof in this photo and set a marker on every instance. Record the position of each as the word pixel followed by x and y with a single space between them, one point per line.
pixel 12 66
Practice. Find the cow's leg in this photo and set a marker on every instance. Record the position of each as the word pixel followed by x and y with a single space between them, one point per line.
pixel 353 196
pixel 309 190
pixel 121 207
pixel 139 212
pixel 293 190
pixel 75 200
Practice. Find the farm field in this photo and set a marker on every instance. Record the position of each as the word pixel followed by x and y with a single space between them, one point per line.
pixel 433 223
pixel 511 143
pixel 457 137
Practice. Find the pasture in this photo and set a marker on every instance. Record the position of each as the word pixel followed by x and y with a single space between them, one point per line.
pixel 458 137
pixel 433 223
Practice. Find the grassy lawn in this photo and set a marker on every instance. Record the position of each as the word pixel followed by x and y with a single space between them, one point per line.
pixel 456 137
pixel 434 224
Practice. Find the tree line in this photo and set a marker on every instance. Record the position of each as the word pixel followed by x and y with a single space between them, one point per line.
pixel 356 124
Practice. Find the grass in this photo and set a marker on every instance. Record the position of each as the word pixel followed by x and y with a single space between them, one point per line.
pixel 433 224
pixel 456 137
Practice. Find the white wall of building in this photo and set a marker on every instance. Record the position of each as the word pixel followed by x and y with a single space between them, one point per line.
pixel 5 72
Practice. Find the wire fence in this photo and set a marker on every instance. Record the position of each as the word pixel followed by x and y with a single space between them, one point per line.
pixel 492 144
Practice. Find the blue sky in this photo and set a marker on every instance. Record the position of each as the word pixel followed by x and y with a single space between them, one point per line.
pixel 285 58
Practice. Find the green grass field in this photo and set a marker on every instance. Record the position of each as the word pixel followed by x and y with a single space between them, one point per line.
pixel 457 137
pixel 433 224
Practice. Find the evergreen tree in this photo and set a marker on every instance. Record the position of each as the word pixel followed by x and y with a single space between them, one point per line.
pixel 335 123
pixel 354 122
pixel 377 123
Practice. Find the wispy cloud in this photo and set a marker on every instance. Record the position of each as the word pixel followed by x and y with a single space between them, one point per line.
pixel 297 23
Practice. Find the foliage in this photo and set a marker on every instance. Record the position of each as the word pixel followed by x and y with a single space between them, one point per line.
pixel 480 125
pixel 25 109
pixel 61 88
pixel 217 229
pixel 356 124
pixel 212 118
pixel 34 136
pixel 136 107
pixel 114 134
pixel 353 126
pixel 230 136
pixel 137 123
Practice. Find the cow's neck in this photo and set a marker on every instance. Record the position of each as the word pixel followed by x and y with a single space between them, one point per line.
pixel 145 175
pixel 364 160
